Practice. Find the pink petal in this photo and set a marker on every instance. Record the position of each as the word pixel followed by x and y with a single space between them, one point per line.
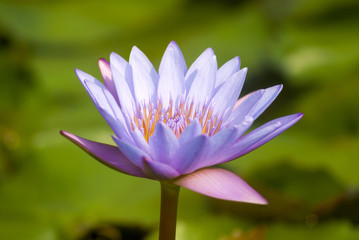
pixel 105 69
pixel 222 184
pixel 109 155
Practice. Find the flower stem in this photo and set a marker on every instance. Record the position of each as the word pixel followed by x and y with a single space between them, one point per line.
pixel 169 202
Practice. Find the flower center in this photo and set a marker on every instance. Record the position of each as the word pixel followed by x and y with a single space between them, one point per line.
pixel 177 124
pixel 175 118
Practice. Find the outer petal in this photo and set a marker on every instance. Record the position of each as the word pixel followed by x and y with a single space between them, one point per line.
pixel 261 135
pixel 163 144
pixel 171 76
pixel 145 77
pixel 105 69
pixel 241 113
pixel 191 153
pixel 201 90
pixel 252 106
pixel 109 155
pixel 227 70
pixel 193 130
pixel 159 170
pixel 107 106
pixel 220 144
pixel 193 70
pixel 133 153
pixel 268 97
pixel 255 108
pixel 85 76
pixel 222 184
pixel 139 140
pixel 122 74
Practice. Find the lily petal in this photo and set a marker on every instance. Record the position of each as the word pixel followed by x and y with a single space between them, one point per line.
pixel 241 114
pixel 220 144
pixel 201 90
pixel 145 77
pixel 193 130
pixel 221 184
pixel 139 140
pixel 261 135
pixel 159 170
pixel 171 76
pixel 108 107
pixel 227 95
pixel 227 70
pixel 133 153
pixel 252 106
pixel 108 155
pixel 106 73
pixel 191 153
pixel 198 63
pixel 122 74
pixel 268 97
pixel 163 143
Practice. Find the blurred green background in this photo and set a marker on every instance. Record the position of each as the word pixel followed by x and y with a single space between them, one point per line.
pixel 50 189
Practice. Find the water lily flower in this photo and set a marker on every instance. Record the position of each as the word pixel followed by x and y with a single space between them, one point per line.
pixel 175 124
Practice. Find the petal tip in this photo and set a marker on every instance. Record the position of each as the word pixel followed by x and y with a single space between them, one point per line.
pixel 173 43
pixel 65 134
pixel 102 61
pixel 299 115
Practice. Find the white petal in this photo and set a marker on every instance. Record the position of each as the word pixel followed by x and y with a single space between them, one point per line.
pixel 227 70
pixel 122 75
pixel 228 93
pixel 243 110
pixel 145 77
pixel 193 70
pixel 201 90
pixel 268 97
pixel 107 106
pixel 171 76
pixel 253 105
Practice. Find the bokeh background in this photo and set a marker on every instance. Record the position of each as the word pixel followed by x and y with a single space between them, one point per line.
pixel 50 189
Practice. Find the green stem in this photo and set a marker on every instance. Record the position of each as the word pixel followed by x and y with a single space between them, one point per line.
pixel 169 203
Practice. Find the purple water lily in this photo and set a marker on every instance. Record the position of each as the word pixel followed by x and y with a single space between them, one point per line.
pixel 174 125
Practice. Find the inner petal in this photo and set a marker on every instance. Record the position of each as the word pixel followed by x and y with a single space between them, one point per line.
pixel 177 124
